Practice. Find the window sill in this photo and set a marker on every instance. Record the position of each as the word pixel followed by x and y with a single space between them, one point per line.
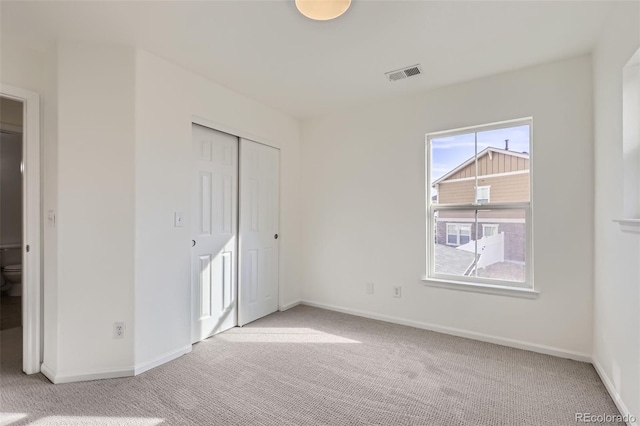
pixel 629 225
pixel 525 293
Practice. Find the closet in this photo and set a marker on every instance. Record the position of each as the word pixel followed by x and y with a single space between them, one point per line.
pixel 234 223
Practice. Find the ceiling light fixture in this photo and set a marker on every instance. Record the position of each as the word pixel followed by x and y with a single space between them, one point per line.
pixel 322 10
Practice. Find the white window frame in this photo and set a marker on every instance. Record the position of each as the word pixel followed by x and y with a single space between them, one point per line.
pixel 492 226
pixel 479 284
pixel 488 197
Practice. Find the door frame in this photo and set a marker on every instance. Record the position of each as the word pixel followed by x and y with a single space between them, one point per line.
pixel 31 227
pixel 264 141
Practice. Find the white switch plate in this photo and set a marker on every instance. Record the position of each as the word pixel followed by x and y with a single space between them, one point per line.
pixel 397 291
pixel 178 219
pixel 51 217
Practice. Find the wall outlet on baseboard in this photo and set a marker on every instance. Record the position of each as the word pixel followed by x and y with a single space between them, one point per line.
pixel 368 288
pixel 118 330
pixel 397 291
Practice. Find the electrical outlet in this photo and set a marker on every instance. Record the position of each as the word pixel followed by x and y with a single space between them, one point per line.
pixel 368 288
pixel 118 330
pixel 397 291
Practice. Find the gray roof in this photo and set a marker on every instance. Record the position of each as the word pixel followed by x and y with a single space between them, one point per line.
pixel 449 260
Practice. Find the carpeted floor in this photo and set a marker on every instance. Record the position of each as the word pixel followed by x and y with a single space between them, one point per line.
pixel 309 366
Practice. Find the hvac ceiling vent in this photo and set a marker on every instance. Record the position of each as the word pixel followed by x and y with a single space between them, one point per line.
pixel 404 72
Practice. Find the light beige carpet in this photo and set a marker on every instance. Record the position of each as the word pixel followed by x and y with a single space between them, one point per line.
pixel 309 366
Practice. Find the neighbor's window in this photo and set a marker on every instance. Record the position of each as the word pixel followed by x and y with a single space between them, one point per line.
pixel 489 230
pixel 479 204
pixel 483 194
pixel 458 234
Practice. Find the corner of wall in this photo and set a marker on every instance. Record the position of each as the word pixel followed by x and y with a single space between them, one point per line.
pixel 49 187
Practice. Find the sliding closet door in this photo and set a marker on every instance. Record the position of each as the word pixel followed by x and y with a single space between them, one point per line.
pixel 214 232
pixel 259 243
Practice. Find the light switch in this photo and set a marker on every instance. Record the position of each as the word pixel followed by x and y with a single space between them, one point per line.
pixel 178 219
pixel 51 218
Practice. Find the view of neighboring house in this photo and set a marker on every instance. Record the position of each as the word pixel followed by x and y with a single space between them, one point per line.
pixel 503 177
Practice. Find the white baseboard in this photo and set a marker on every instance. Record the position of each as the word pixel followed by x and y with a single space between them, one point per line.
pixel 161 359
pixel 518 344
pixel 82 376
pixel 48 373
pixel 613 392
pixel 290 305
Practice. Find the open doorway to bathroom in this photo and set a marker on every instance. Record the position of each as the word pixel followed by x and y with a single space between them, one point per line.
pixel 11 225
pixel 20 231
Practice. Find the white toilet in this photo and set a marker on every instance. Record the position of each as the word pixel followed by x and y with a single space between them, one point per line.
pixel 13 275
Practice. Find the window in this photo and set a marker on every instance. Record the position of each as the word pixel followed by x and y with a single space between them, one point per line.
pixel 479 205
pixel 458 234
pixel 489 230
pixel 631 145
pixel 483 194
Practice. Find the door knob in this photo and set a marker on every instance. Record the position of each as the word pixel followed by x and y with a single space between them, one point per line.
pixel 193 243
pixel 275 236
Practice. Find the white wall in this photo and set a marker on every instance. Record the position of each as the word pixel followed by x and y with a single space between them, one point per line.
pixel 167 98
pixel 49 187
pixel 364 206
pixel 617 254
pixel 20 67
pixel 95 221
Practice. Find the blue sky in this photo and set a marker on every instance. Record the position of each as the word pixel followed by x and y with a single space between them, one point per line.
pixel 449 152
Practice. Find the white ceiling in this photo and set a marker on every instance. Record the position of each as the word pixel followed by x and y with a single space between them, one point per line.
pixel 268 51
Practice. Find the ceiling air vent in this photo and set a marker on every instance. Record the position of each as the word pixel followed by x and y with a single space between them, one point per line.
pixel 404 72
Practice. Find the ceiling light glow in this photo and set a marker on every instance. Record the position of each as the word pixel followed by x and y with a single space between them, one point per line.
pixel 322 10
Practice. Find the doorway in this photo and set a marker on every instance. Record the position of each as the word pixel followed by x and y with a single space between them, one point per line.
pixel 20 238
pixel 11 223
pixel 235 220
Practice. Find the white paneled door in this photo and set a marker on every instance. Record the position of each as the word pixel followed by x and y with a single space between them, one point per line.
pixel 214 233
pixel 259 239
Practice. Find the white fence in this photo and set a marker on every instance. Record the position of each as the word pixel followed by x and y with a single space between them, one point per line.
pixel 490 249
